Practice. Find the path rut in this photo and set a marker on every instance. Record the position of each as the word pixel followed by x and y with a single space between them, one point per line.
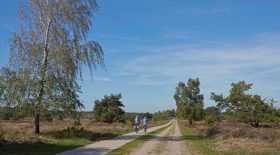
pixel 169 141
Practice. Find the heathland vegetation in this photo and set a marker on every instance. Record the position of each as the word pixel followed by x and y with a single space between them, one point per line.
pixel 41 112
pixel 240 123
pixel 67 132
pixel 40 87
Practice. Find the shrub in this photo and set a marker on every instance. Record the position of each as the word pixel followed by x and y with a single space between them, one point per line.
pixel 47 117
pixel 5 115
pixel 209 121
pixel 109 109
pixel 80 132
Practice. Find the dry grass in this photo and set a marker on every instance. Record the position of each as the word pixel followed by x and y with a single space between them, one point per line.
pixel 22 131
pixel 17 137
pixel 242 138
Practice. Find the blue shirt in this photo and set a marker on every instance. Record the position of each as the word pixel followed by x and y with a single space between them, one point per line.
pixel 145 120
pixel 136 120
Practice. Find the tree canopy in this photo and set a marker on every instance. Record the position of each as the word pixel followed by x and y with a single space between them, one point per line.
pixel 250 108
pixel 109 109
pixel 48 53
pixel 189 101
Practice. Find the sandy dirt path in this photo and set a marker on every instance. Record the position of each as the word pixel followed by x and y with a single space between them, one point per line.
pixel 168 142
pixel 105 146
pixel 175 143
pixel 149 146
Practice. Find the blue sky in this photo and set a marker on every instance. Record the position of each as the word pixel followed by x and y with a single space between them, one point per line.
pixel 152 45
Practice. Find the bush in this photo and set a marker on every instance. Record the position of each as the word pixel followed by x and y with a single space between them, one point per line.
pixel 77 122
pixel 5 115
pixel 1 134
pixel 80 132
pixel 47 117
pixel 109 109
pixel 209 121
pixel 59 117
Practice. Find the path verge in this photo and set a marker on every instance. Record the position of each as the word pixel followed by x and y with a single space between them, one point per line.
pixel 105 146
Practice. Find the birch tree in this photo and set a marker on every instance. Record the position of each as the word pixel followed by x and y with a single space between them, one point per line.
pixel 51 46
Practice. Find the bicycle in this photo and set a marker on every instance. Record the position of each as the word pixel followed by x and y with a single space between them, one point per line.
pixel 145 128
pixel 136 128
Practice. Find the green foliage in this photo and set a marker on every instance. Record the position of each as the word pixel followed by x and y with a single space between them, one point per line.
pixel 5 113
pixel 130 116
pixel 157 116
pixel 15 113
pixel 47 56
pixel 209 121
pixel 189 101
pixel 79 132
pixel 109 109
pixel 214 112
pixel 164 115
pixel 246 107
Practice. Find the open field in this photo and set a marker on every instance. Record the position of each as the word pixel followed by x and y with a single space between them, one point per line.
pixel 16 137
pixel 225 138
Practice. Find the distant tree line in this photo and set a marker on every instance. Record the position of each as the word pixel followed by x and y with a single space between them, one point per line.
pixel 109 109
pixel 238 106
pixel 157 116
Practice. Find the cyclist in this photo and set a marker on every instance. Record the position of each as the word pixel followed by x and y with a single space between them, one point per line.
pixel 136 122
pixel 145 123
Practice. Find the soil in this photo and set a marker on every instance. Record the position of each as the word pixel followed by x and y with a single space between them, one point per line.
pixel 169 141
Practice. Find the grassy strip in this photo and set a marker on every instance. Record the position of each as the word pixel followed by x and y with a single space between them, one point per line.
pixel 136 143
pixel 46 148
pixel 199 144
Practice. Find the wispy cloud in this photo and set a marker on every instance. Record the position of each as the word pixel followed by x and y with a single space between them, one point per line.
pixel 160 65
pixel 176 36
pixel 126 38
pixel 105 79
pixel 219 10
